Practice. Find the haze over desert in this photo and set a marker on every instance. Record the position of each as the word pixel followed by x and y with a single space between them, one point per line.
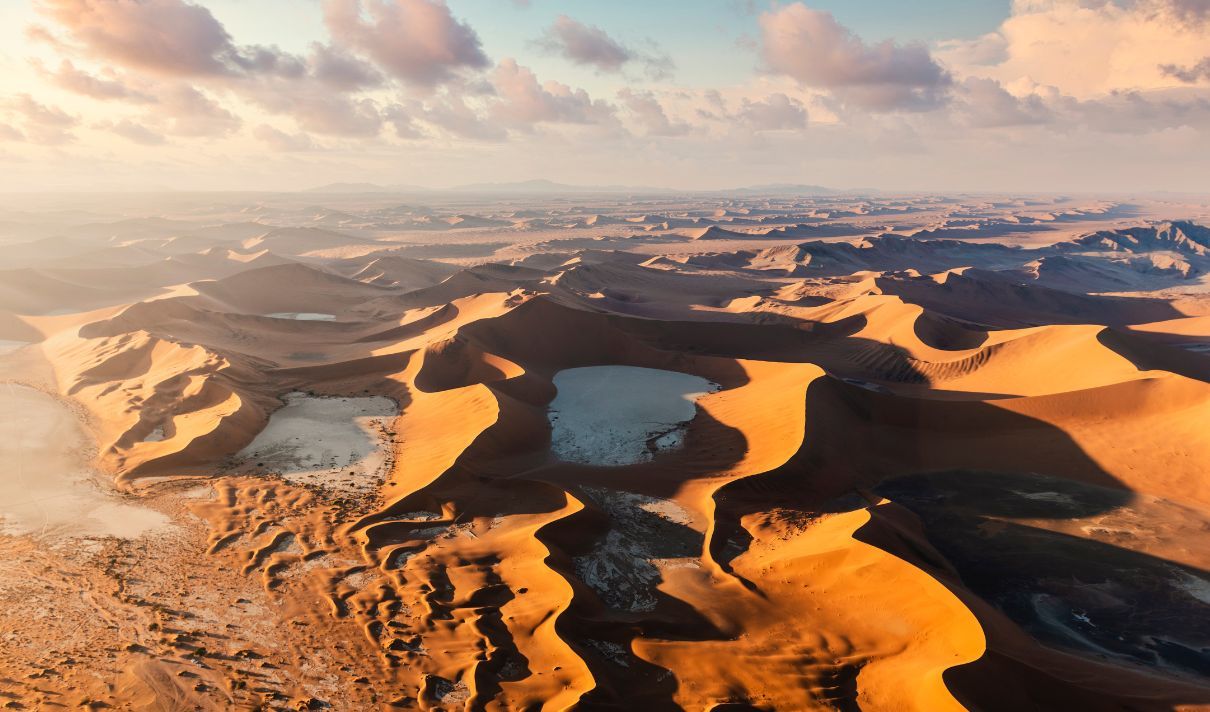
pixel 793 356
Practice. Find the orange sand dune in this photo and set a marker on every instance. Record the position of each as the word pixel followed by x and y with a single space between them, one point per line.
pixel 887 473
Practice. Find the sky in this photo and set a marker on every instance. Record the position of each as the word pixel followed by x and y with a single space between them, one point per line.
pixel 933 95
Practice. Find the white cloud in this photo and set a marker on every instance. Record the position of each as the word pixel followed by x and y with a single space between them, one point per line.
pixel 279 140
pixel 1088 48
pixel 649 114
pixel 416 41
pixel 813 48
pixel 523 101
pixel 41 123
pixel 774 112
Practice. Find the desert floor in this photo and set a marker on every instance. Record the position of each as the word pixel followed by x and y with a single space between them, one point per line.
pixel 602 451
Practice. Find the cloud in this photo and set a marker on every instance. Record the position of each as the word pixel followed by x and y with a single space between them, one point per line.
pixel 403 120
pixel 988 49
pixel 258 60
pixel 984 103
pixel 416 41
pixel 165 37
pixel 342 71
pixel 279 140
pixel 1188 10
pixel 339 117
pixel 646 109
pixel 328 99
pixel 328 114
pixel 136 132
pixel 1136 113
pixel 174 39
pixel 80 82
pixel 451 114
pixel 658 66
pixel 817 51
pixel 1089 48
pixel 1099 66
pixel 42 124
pixel 410 80
pixel 585 44
pixel 523 102
pixel 589 45
pixel 1189 74
pixel 186 111
pixel 774 112
pixel 715 108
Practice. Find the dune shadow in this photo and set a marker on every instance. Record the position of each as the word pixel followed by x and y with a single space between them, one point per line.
pixel 977 477
pixel 969 471
pixel 1088 594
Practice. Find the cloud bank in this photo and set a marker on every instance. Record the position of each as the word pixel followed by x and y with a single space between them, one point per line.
pixel 417 80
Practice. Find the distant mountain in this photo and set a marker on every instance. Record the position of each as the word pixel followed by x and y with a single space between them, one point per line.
pixel 331 188
pixel 546 187
pixel 542 186
pixel 785 189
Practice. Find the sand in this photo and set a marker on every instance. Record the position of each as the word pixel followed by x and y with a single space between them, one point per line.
pixel 648 535
pixel 895 452
pixel 48 488
pixel 621 415
pixel 10 345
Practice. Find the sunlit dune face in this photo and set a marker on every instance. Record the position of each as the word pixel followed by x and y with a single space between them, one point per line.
pixel 791 448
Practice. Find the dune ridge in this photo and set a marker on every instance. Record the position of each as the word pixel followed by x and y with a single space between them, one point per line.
pixel 954 462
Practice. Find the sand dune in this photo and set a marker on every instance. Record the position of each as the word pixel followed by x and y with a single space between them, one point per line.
pixel 796 461
pixel 395 271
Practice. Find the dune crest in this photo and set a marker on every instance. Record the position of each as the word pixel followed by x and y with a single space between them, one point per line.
pixel 756 452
